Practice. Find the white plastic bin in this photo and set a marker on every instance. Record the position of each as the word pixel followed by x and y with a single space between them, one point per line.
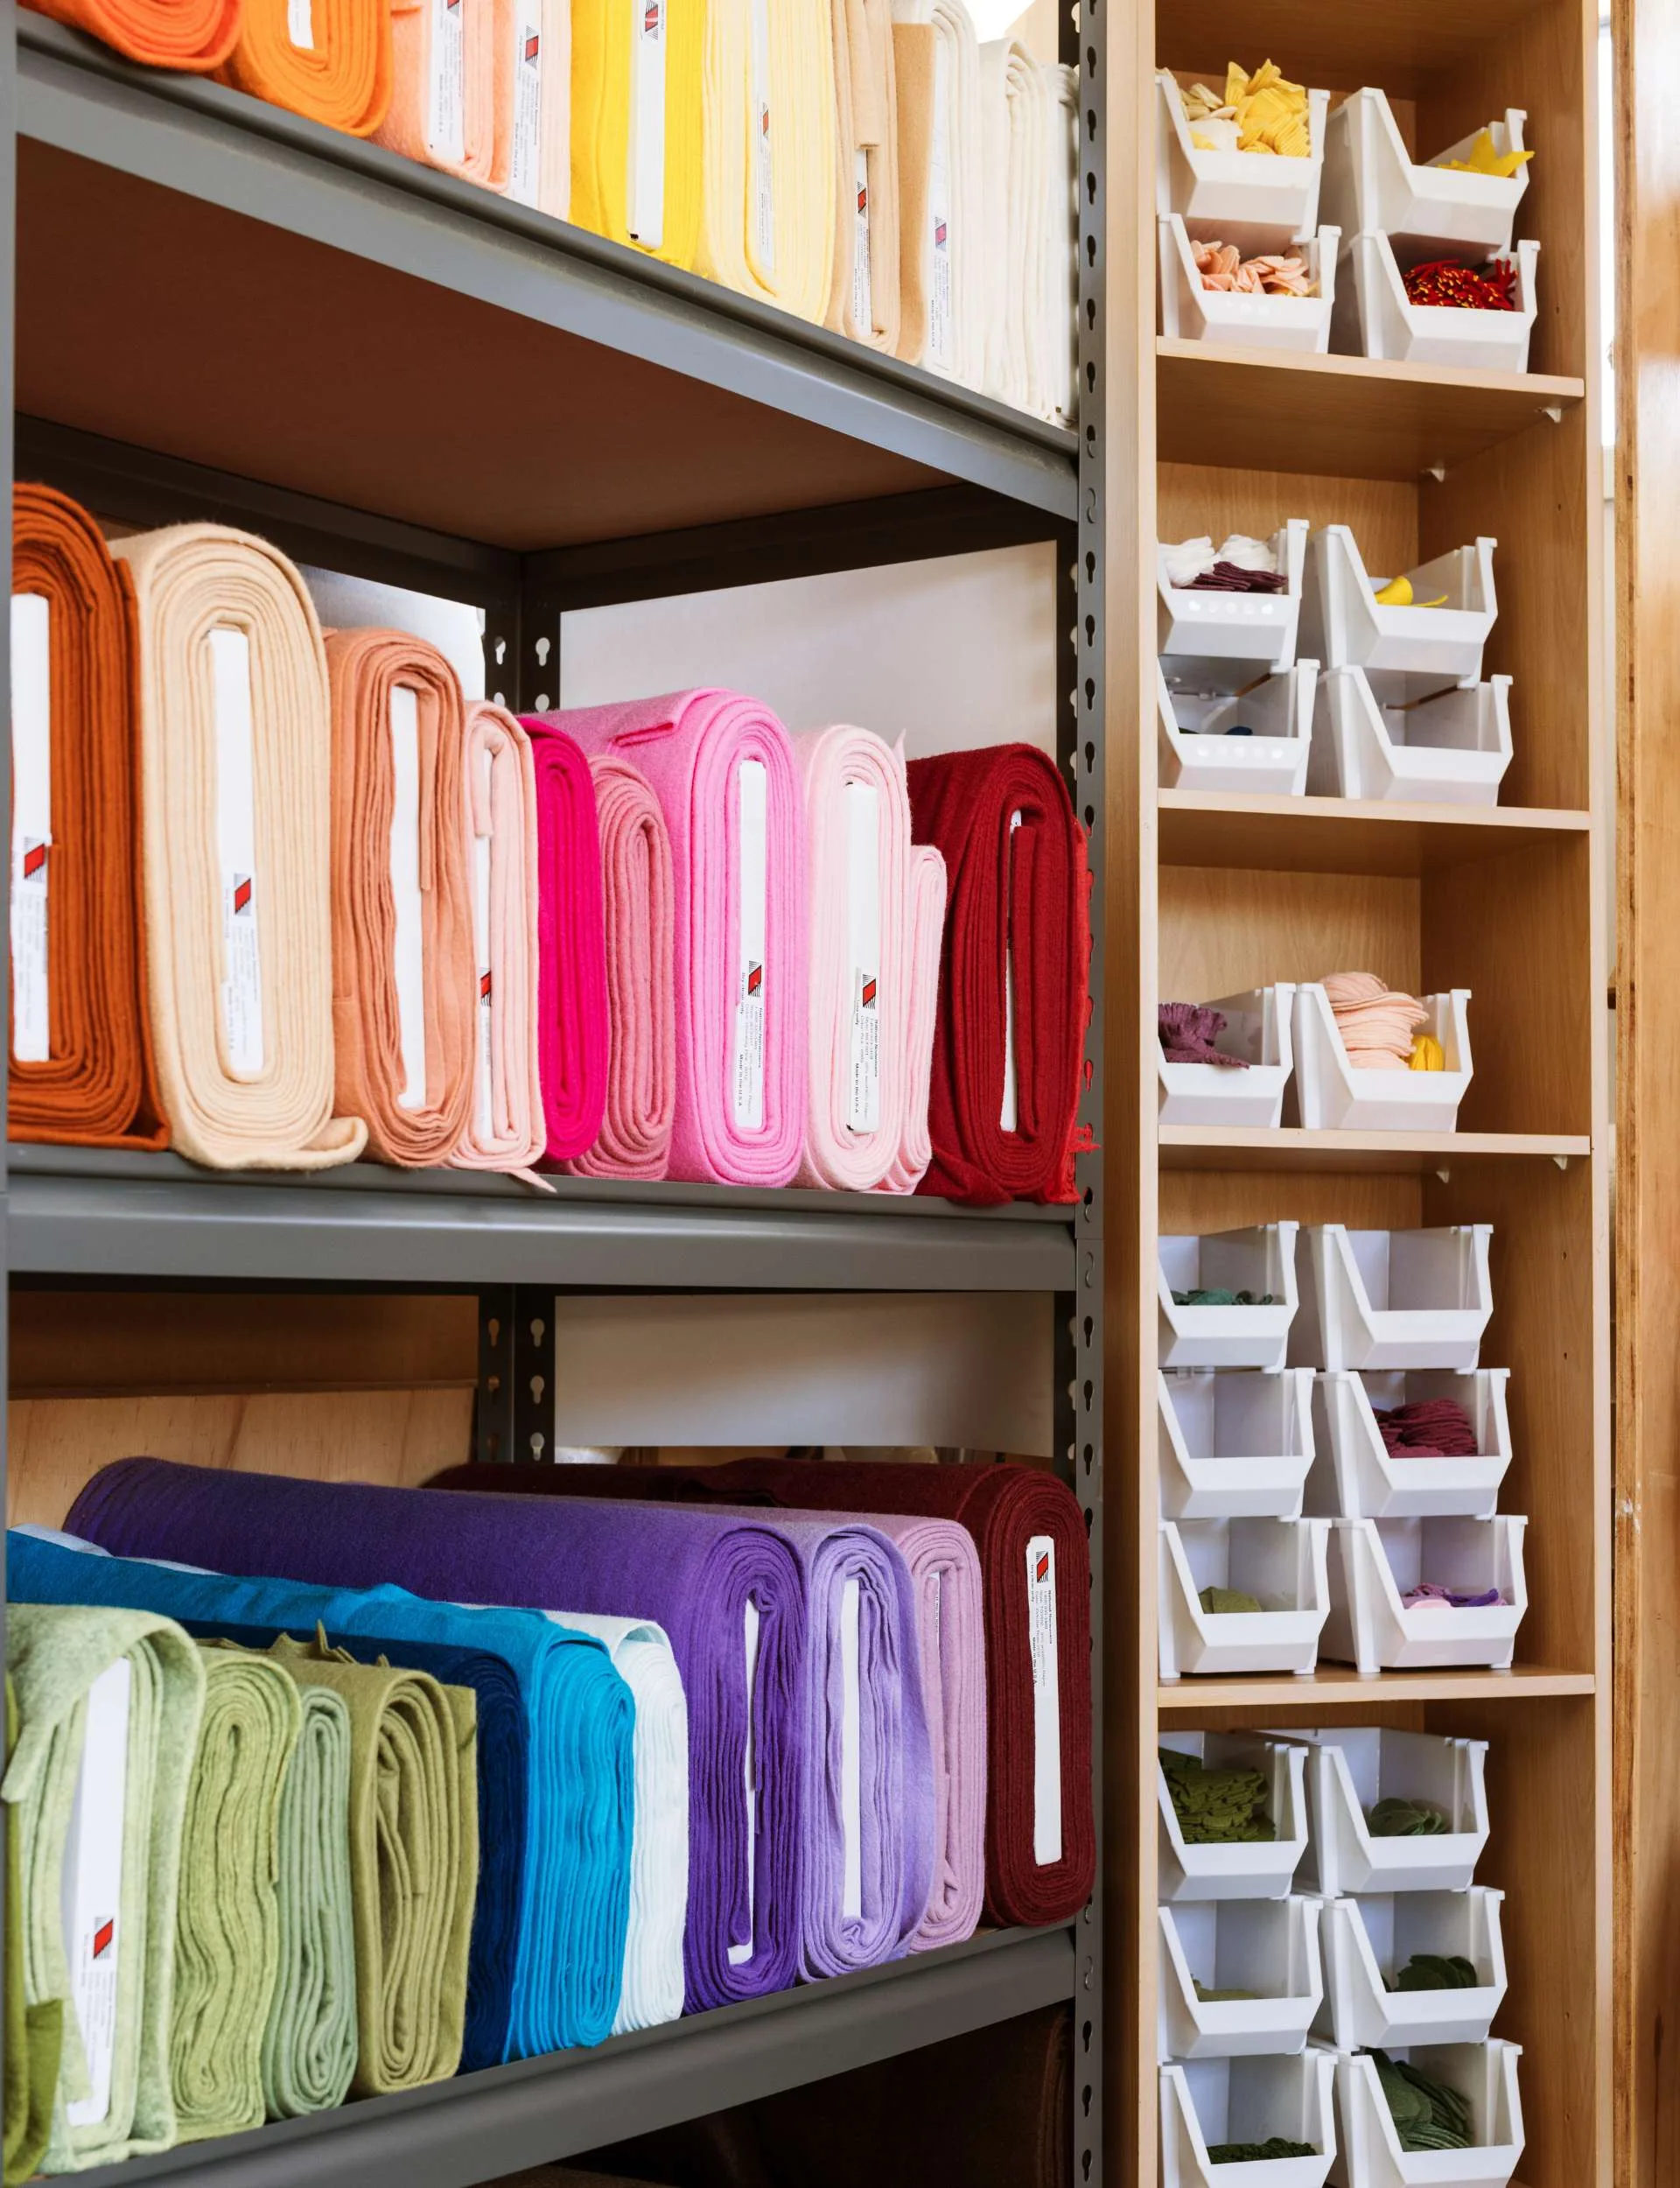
pixel 1371 182
pixel 1342 625
pixel 1331 1096
pixel 1236 1445
pixel 1376 1562
pixel 1391 1298
pixel 1448 746
pixel 1353 1475
pixel 1216 2100
pixel 1196 753
pixel 1371 2155
pixel 1282 1563
pixel 1351 1768
pixel 1372 316
pixel 1260 1260
pixel 1224 641
pixel 1269 1947
pixel 1365 1944
pixel 1192 313
pixel 1250 199
pixel 1262 1869
pixel 1258 1028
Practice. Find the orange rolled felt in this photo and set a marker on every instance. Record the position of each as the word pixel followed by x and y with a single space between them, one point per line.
pixel 330 59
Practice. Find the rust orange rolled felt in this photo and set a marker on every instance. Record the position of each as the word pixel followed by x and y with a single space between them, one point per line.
pixel 197 35
pixel 330 59
pixel 404 975
pixel 81 1070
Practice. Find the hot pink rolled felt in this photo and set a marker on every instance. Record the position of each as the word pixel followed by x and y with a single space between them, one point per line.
pixel 571 1028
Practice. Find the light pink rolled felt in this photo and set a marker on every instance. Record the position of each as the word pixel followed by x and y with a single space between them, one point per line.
pixel 505 1128
pixel 928 882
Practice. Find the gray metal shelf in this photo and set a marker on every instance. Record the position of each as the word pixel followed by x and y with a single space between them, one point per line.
pixel 480 2125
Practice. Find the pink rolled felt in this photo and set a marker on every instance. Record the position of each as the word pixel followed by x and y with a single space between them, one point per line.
pixel 505 1128
pixel 571 1023
pixel 740 1012
pixel 636 1135
pixel 927 889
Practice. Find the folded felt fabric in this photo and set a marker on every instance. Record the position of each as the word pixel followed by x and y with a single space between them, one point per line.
pixel 505 1128
pixel 81 1069
pixel 1432 1429
pixel 1186 560
pixel 109 1704
pixel 767 184
pixel 864 291
pixel 571 1023
pixel 722 769
pixel 534 104
pixel 34 2034
pixel 235 741
pixel 1057 318
pixel 309 2047
pixel 1376 1025
pixel 1187 1032
pixel 447 86
pixel 1013 1004
pixel 555 1721
pixel 928 892
pixel 637 129
pixel 330 59
pixel 635 1136
pixel 941 262
pixel 1015 117
pixel 403 977
pixel 197 35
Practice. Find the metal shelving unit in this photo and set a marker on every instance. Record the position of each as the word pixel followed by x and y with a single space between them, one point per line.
pixel 180 251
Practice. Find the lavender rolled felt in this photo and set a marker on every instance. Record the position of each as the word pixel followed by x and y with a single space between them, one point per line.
pixel 693 1571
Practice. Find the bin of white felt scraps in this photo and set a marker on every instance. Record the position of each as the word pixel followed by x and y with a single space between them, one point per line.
pixel 1251 198
pixel 1219 634
pixel 1411 1968
pixel 1374 314
pixel 1433 620
pixel 1259 739
pixel 1262 1867
pixel 1360 1472
pixel 1483 2075
pixel 1238 1976
pixel 1253 1030
pixel 1446 747
pixel 1200 1326
pixel 1234 1445
pixel 1391 1298
pixel 1209 2104
pixel 1411 1595
pixel 1392 1811
pixel 1463 199
pixel 1283 298
pixel 1333 1095
pixel 1241 1595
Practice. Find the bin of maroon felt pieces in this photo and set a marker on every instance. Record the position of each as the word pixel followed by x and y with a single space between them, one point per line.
pixel 1423 1443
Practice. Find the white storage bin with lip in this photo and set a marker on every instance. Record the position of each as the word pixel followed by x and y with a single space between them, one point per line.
pixel 1198 749
pixel 1236 1445
pixel 1260 1260
pixel 1245 1868
pixel 1354 1475
pixel 1367 1942
pixel 1192 312
pixel 1391 1298
pixel 1250 199
pixel 1371 182
pixel 1372 316
pixel 1208 2101
pixel 1223 642
pixel 1332 1096
pixel 1375 1563
pixel 1258 1033
pixel 1351 1771
pixel 1282 1563
pixel 1267 1947
pixel 1369 2155
pixel 1343 625
pixel 1373 738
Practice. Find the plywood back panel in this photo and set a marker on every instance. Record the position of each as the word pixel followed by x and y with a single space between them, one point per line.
pixel 1197 498
pixel 1225 929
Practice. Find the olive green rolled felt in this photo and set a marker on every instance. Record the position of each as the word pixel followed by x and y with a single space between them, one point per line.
pixel 34 2034
pixel 309 2046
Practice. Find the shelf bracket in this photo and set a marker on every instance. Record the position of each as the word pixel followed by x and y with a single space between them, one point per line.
pixel 514 1417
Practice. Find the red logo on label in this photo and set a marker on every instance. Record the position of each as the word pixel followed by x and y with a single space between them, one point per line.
pixel 939 234
pixel 34 860
pixel 754 978
pixel 241 893
pixel 104 1937
pixel 531 44
pixel 763 123
pixel 484 988
pixel 869 987
pixel 650 20
pixel 1041 1571
pixel 862 200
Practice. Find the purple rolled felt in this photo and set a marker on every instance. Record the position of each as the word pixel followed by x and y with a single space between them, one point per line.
pixel 695 1571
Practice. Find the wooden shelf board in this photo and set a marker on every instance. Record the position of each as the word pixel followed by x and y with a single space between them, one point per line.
pixel 1283 410
pixel 1403 45
pixel 1220 1147
pixel 1335 835
pixel 1338 1686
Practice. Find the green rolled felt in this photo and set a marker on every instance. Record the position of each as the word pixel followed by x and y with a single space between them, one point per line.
pixel 228 1923
pixel 1251 2153
pixel 1225 1602
pixel 54 1655
pixel 309 2046
pixel 1398 1819
pixel 1428 2115
pixel 1217 1807
pixel 34 2034
pixel 1436 1970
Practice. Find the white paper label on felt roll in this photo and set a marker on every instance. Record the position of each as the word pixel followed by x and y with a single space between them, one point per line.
pixel 760 151
pixel 91 1886
pixel 241 955
pixel 862 807
pixel 482 953
pixel 408 947
pixel 525 164
pixel 752 881
pixel 1047 1700
pixel 1011 1096
pixel 939 217
pixel 862 307
pixel 32 824
pixel 739 1954
pixel 446 92
pixel 300 25
pixel 645 211
pixel 851 1747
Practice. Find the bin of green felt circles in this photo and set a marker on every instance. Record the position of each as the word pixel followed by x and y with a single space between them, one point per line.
pixel 1391 1811
pixel 1436 2115
pixel 1232 1812
pixel 1411 1968
pixel 1238 1977
pixel 1258 740
pixel 1236 1445
pixel 1226 1298
pixel 1239 1596
pixel 1261 2122
pixel 1433 1443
